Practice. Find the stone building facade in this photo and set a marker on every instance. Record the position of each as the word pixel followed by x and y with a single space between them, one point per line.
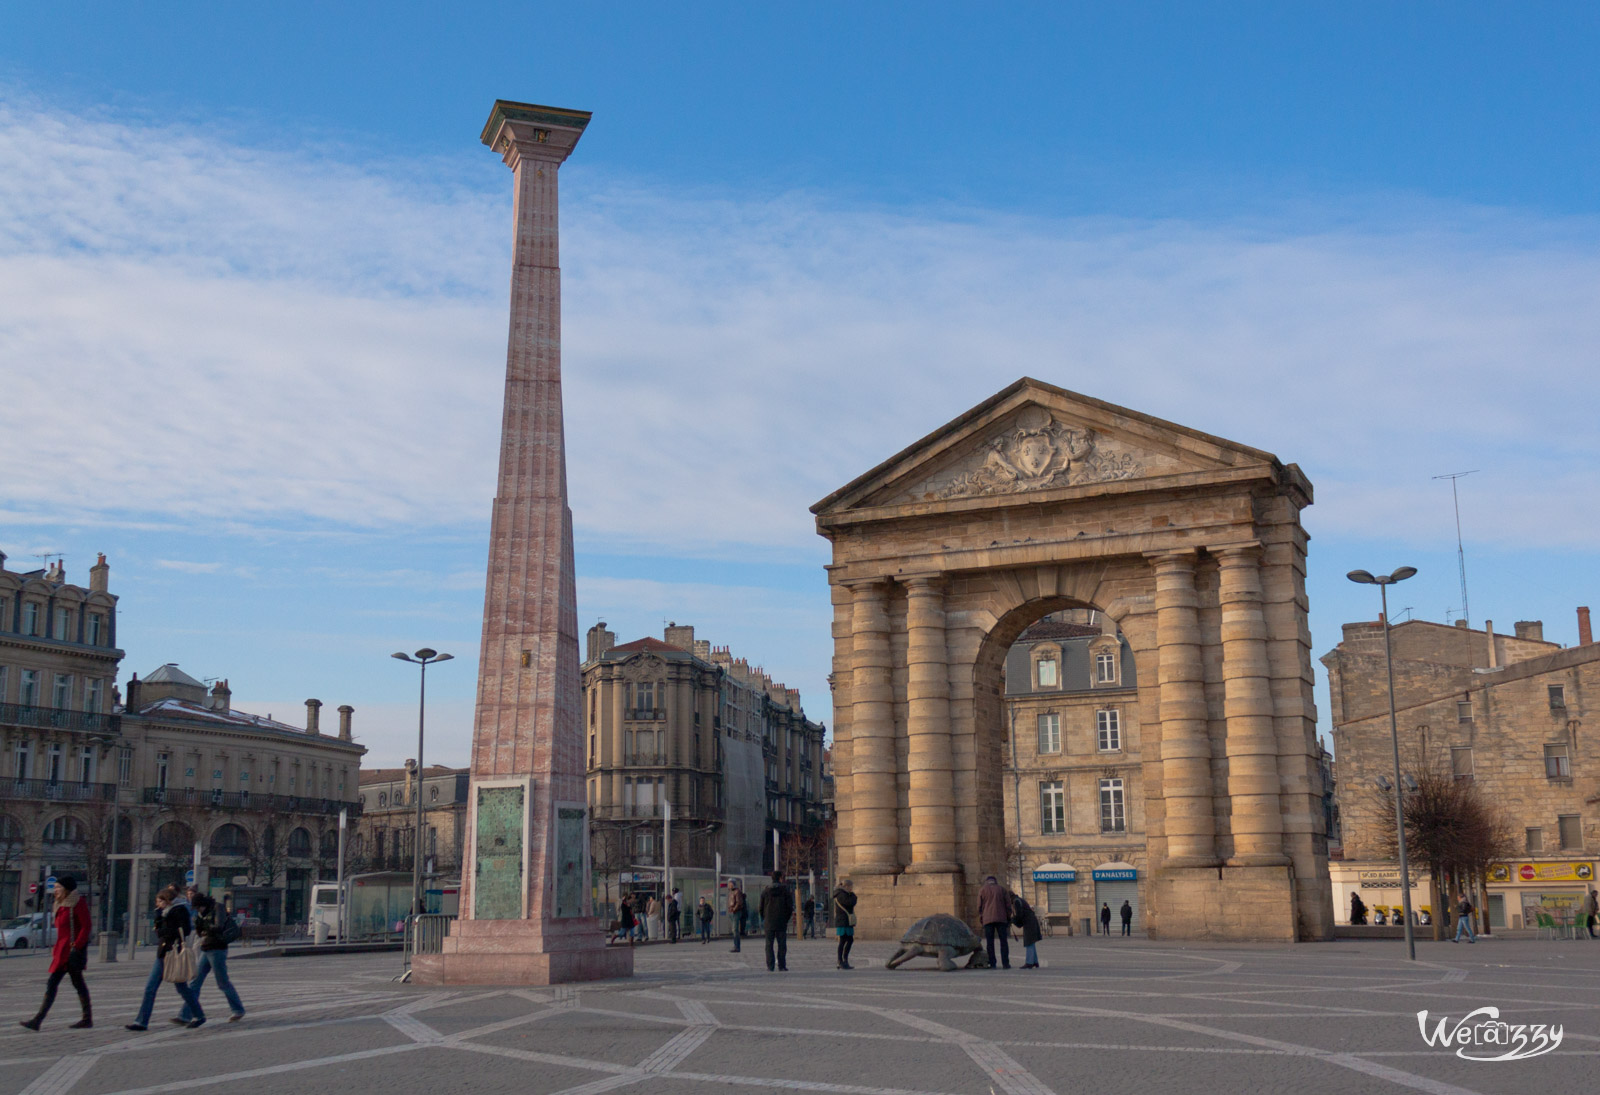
pixel 86 777
pixel 676 720
pixel 1040 500
pixel 1074 798
pixel 386 837
pixel 1505 711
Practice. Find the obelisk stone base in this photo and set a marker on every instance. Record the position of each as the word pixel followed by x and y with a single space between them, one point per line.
pixel 523 952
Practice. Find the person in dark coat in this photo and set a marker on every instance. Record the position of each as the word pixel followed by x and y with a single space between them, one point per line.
pixel 844 921
pixel 1358 909
pixel 673 913
pixel 173 925
pixel 736 913
pixel 703 913
pixel 1105 918
pixel 777 909
pixel 70 954
pixel 1127 917
pixel 625 921
pixel 808 917
pixel 1023 916
pixel 994 913
pixel 208 924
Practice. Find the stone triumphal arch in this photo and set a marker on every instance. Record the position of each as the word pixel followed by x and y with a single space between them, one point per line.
pixel 1041 499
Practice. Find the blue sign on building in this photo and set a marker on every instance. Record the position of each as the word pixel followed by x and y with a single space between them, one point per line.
pixel 1055 876
pixel 1116 874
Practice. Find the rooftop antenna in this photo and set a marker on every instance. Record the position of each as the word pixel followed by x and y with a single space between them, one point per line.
pixel 1461 552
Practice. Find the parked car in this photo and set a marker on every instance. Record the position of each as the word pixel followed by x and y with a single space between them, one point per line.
pixel 21 932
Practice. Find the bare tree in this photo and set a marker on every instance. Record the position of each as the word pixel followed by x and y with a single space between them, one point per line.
pixel 1451 828
pixel 269 828
pixel 15 846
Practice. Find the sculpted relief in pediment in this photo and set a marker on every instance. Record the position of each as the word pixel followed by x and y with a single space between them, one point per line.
pixel 1036 452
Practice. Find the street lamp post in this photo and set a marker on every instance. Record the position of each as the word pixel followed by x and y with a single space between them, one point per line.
pixel 1383 582
pixel 424 658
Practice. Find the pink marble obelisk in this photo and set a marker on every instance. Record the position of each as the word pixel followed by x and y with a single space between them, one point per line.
pixel 526 906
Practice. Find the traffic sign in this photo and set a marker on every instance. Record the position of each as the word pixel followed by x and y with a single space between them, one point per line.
pixel 188 877
pixel 33 887
pixel 50 883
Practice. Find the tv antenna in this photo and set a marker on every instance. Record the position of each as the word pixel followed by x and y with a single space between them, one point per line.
pixel 1461 552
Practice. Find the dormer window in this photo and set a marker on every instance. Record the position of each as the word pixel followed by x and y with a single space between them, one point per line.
pixel 1049 672
pixel 1105 667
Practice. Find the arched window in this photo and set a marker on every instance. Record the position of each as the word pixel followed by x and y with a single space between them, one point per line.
pixel 433 794
pixel 330 844
pixel 230 840
pixel 383 799
pixel 64 830
pixel 175 839
pixel 300 844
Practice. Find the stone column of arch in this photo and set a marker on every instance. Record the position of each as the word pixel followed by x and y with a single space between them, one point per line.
pixel 876 827
pixel 1186 786
pixel 929 762
pixel 1252 742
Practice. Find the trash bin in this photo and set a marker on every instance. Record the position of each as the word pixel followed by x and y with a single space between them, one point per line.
pixel 319 934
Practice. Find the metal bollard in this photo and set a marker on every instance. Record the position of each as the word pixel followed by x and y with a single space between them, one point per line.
pixel 108 946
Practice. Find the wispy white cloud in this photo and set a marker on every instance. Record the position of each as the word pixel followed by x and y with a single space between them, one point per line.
pixel 188 567
pixel 277 338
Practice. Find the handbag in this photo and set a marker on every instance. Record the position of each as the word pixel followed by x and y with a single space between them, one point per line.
pixel 179 964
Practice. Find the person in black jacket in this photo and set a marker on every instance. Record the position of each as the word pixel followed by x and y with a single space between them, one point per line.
pixel 1127 917
pixel 208 923
pixel 777 909
pixel 172 924
pixel 1105 918
pixel 844 921
pixel 1023 916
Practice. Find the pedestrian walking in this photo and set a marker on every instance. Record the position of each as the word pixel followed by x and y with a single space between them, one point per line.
pixel 1105 918
pixel 705 913
pixel 1464 920
pixel 1023 916
pixel 215 930
pixel 994 913
pixel 777 909
pixel 173 926
pixel 736 913
pixel 844 920
pixel 808 915
pixel 70 954
pixel 1127 917
pixel 1358 909
pixel 672 918
pixel 1591 906
pixel 625 922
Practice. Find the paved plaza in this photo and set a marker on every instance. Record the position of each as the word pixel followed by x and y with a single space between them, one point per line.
pixel 1104 1015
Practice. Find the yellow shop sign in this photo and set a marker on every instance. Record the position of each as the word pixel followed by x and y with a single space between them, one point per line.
pixel 1564 871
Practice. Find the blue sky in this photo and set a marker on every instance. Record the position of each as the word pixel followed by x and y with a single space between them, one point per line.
pixel 252 298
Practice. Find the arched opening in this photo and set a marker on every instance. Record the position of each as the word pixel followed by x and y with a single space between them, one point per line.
pixel 1055 698
pixel 230 840
pixel 300 844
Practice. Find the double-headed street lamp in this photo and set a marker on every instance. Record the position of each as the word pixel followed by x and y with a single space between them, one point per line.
pixel 424 658
pixel 1383 582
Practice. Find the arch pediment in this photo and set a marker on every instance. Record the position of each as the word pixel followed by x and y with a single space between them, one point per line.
pixel 1034 441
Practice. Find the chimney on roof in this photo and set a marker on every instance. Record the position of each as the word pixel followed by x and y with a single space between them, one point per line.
pixel 313 716
pixel 131 704
pixel 1488 631
pixel 100 575
pixel 1533 630
pixel 1585 632
pixel 221 696
pixel 1462 624
pixel 600 640
pixel 345 711
pixel 680 637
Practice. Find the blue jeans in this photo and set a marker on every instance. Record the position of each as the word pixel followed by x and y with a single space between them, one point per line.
pixel 191 1003
pixel 1464 924
pixel 214 960
pixel 1030 955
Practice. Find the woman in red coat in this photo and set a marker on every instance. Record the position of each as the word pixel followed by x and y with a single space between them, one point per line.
pixel 71 952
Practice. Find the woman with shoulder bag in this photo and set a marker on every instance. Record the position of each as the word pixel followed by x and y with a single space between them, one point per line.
pixel 844 920
pixel 71 952
pixel 176 959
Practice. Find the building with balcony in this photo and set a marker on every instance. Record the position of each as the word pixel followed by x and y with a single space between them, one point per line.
pixel 1074 803
pixel 387 833
pixel 1507 712
pixel 677 721
pixel 86 778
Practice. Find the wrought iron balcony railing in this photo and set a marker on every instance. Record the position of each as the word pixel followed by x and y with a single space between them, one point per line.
pixel 59 718
pixel 246 800
pixel 57 790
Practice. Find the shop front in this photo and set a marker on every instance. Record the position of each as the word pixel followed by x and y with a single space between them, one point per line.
pixel 1539 893
pixel 1115 883
pixel 1377 883
pixel 1052 887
